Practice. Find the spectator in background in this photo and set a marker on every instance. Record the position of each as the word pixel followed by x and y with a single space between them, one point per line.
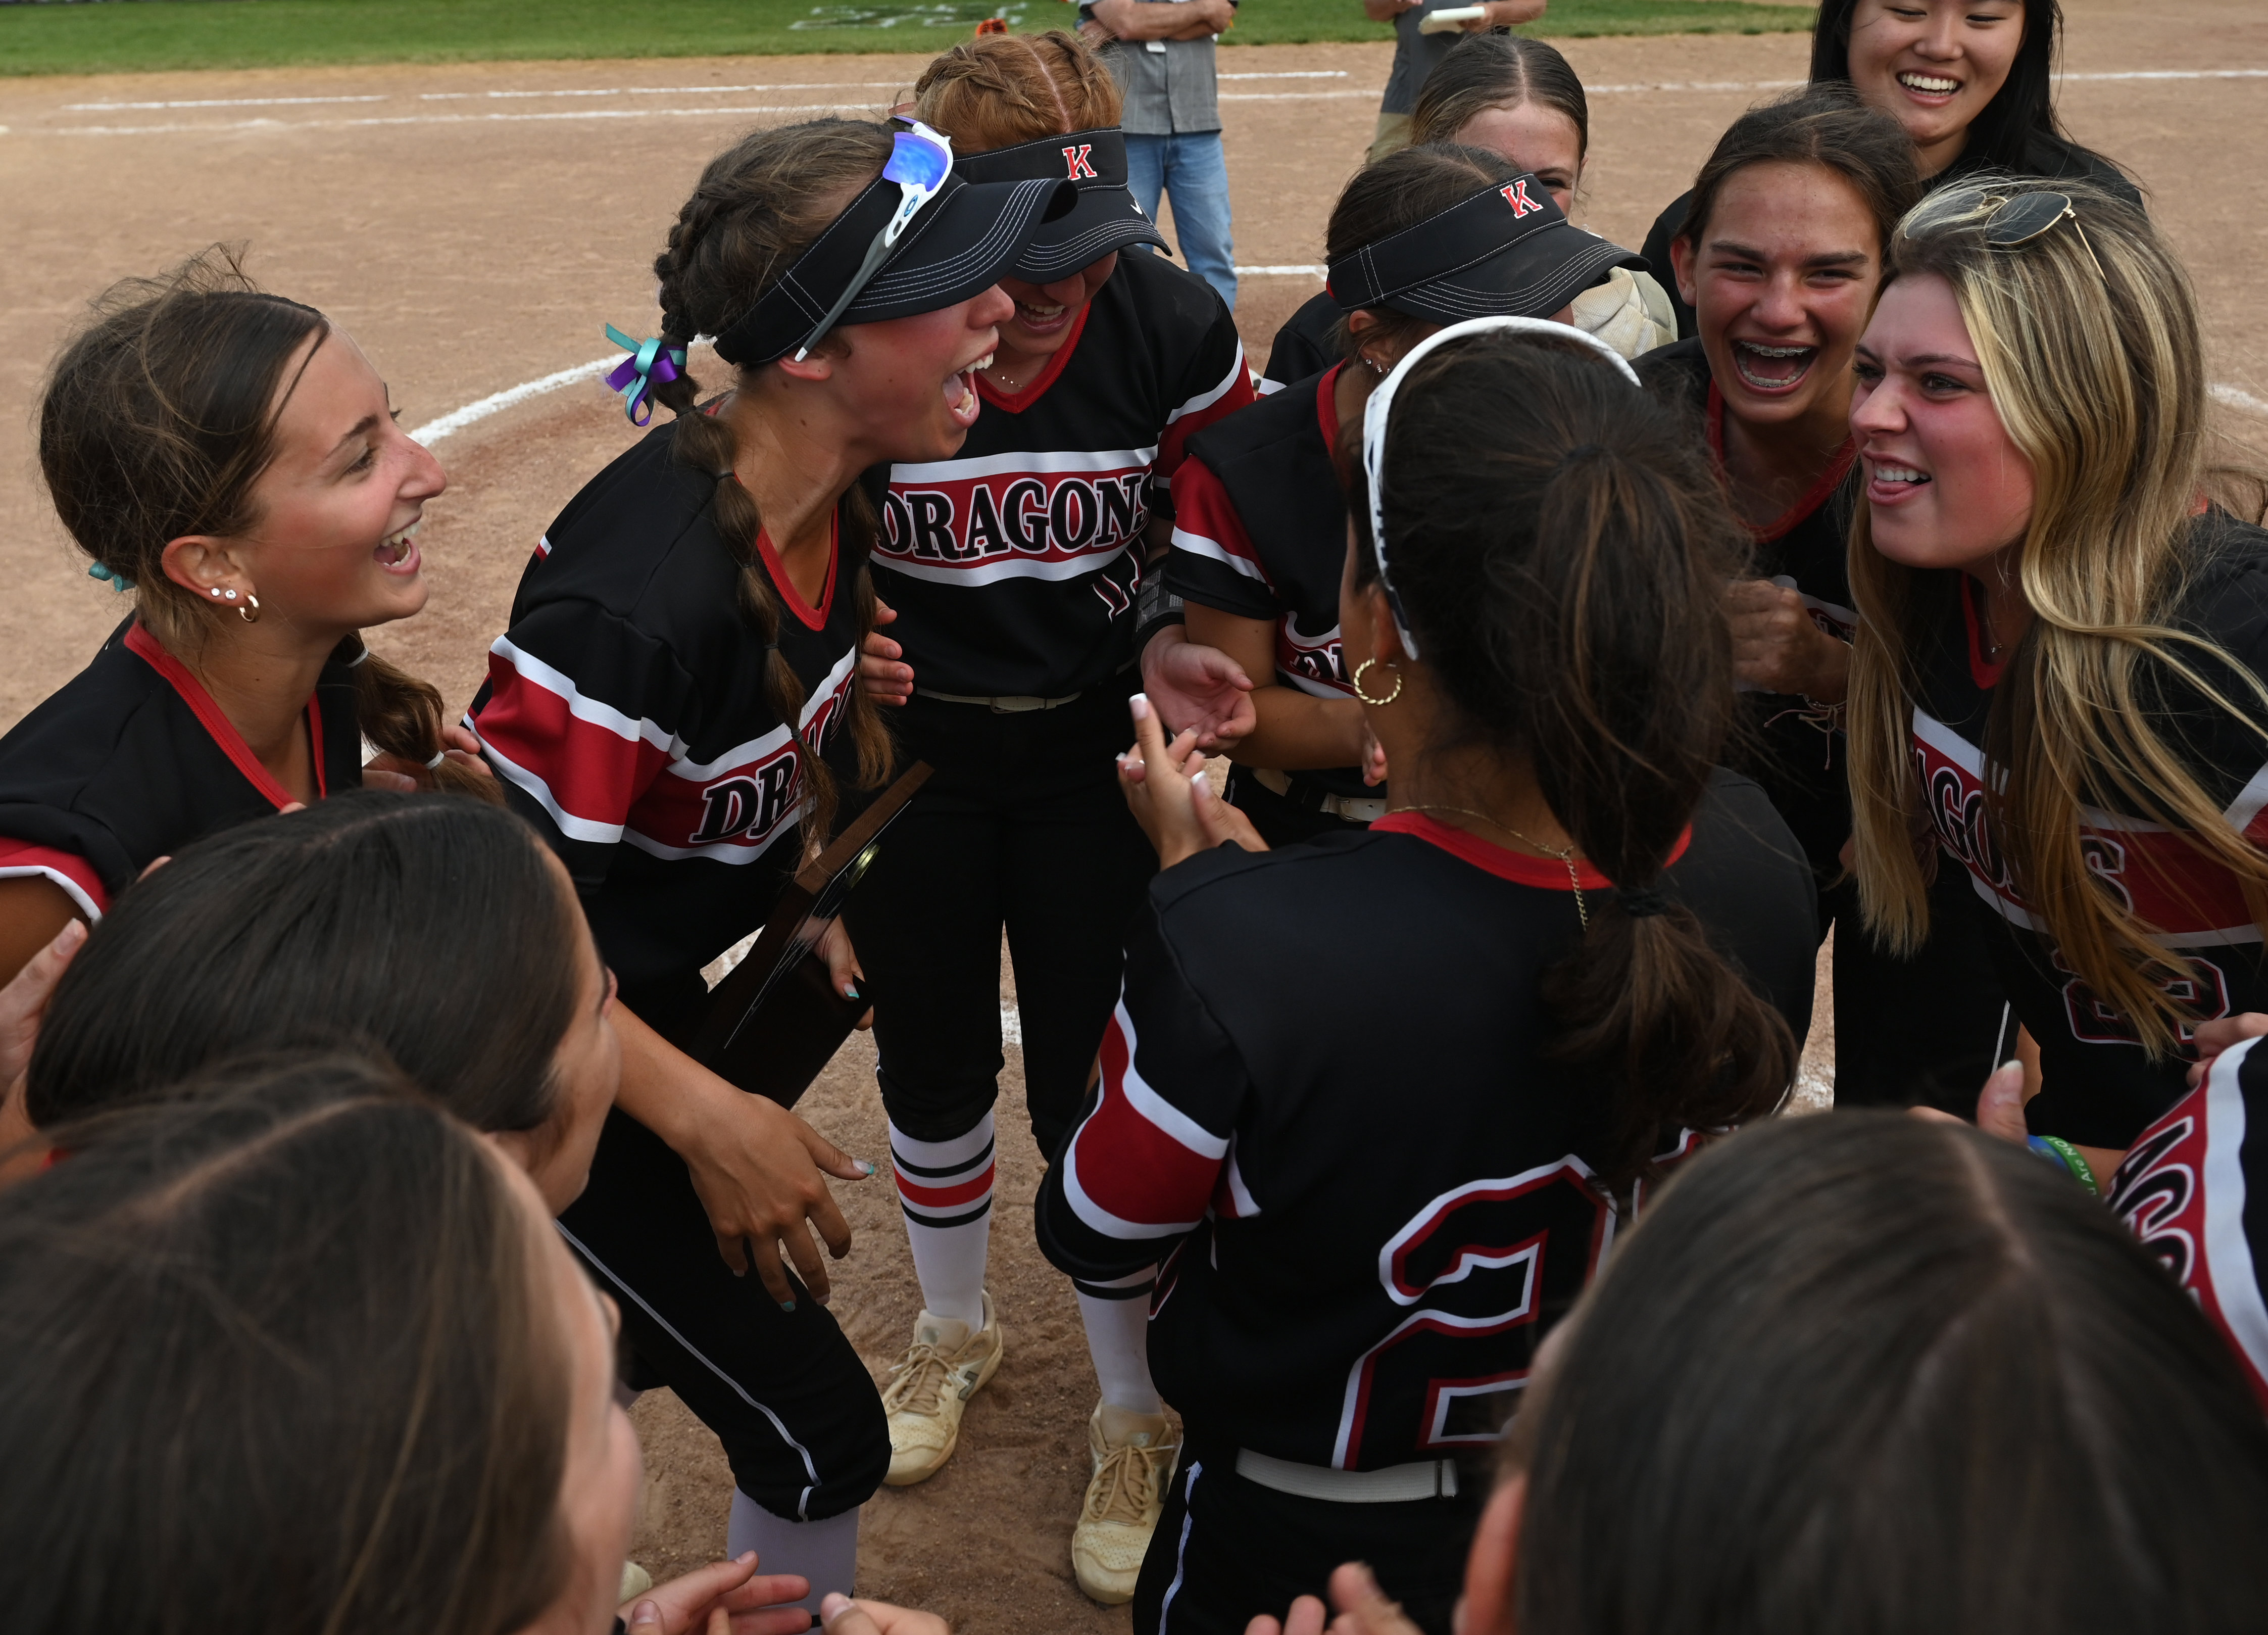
pixel 1417 55
pixel 1163 60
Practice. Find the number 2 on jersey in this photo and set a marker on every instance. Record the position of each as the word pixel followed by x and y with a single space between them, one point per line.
pixel 1476 1267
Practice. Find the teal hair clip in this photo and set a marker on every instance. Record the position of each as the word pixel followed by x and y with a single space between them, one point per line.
pixel 650 364
pixel 118 581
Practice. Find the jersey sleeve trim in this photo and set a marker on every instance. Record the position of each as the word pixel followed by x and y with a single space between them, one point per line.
pixel 2227 1251
pixel 21 860
pixel 583 762
pixel 1206 523
pixel 1232 392
pixel 1150 1167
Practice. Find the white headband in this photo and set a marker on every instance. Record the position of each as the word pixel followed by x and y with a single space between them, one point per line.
pixel 1381 404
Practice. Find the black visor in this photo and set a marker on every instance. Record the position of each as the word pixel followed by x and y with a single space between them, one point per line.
pixel 1507 251
pixel 1106 219
pixel 957 246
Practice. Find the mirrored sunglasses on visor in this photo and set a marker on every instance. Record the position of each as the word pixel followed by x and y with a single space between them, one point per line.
pixel 920 160
pixel 920 237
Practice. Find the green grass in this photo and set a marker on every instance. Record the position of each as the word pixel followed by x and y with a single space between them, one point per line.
pixel 137 36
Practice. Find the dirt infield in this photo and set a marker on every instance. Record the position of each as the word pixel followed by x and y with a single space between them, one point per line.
pixel 473 226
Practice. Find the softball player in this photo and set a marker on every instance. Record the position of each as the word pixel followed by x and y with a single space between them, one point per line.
pixel 1377 1177
pixel 1427 235
pixel 2059 660
pixel 1013 566
pixel 673 708
pixel 259 533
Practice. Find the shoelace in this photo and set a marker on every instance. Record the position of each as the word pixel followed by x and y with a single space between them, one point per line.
pixel 1125 1488
pixel 917 1379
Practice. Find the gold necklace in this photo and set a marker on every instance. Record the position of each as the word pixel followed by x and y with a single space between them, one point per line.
pixel 1565 854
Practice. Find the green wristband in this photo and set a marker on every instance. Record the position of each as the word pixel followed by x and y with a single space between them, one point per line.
pixel 2075 1161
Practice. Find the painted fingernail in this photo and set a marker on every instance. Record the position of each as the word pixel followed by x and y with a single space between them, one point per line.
pixel 866 1167
pixel 849 989
pixel 787 1305
pixel 1139 706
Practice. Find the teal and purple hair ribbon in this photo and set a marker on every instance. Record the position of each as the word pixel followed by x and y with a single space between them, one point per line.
pixel 650 364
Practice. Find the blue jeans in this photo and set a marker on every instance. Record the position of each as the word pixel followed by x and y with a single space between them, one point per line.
pixel 1189 165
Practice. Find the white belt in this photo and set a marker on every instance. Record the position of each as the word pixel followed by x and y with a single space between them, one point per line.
pixel 1352 808
pixel 1013 704
pixel 1429 1478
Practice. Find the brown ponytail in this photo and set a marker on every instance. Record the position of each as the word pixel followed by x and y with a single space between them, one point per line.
pixel 157 421
pixel 755 209
pixel 402 716
pixel 1558 544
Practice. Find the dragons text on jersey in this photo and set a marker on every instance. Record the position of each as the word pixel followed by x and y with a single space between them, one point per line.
pixel 1013 566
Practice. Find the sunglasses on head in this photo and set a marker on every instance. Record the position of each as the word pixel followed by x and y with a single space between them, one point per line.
pixel 920 160
pixel 2016 222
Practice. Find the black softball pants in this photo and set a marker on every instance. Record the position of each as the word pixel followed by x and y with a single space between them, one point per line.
pixel 1227 1550
pixel 796 1410
pixel 1022 827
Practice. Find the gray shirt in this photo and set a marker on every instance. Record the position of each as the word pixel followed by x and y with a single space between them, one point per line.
pixel 1416 55
pixel 1168 82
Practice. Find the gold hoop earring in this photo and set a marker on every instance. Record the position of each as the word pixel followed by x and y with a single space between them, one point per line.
pixel 249 614
pixel 1376 703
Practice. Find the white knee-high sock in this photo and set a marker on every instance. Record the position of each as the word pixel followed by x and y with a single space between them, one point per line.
pixel 826 1552
pixel 1118 1339
pixel 946 1190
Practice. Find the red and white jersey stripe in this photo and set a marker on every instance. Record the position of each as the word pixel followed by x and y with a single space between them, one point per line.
pixel 1362 1180
pixel 2186 1190
pixel 1013 565
pixel 627 714
pixel 2099 1086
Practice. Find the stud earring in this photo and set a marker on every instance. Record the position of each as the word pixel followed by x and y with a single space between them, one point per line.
pixel 231 594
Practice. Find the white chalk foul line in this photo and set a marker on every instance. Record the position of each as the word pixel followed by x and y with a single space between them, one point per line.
pixel 2235 398
pixel 1633 88
pixel 1280 272
pixel 457 419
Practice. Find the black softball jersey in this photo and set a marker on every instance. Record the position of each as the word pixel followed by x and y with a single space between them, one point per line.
pixel 2099 1088
pixel 132 760
pixel 1798 754
pixel 1260 531
pixel 626 715
pixel 1303 345
pixel 1012 565
pixel 2185 1190
pixel 1365 1177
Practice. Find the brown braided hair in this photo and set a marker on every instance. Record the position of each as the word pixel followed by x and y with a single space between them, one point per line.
pixel 758 206
pixel 157 421
pixel 1004 89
